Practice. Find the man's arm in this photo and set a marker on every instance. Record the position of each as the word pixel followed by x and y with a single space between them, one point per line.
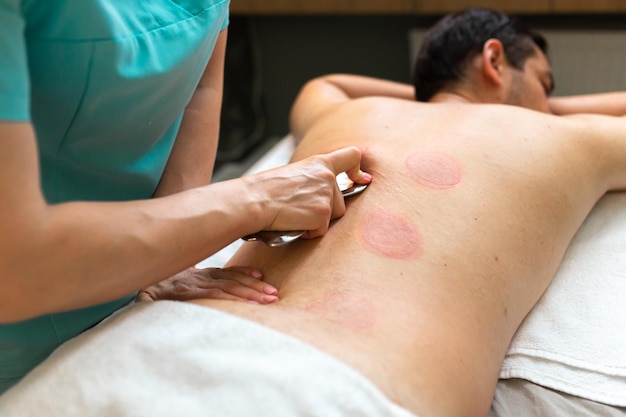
pixel 321 94
pixel 610 104
pixel 600 142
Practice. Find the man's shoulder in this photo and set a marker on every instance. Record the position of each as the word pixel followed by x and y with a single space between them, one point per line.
pixel 381 103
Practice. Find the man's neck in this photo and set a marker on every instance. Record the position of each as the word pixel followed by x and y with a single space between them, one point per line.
pixel 450 97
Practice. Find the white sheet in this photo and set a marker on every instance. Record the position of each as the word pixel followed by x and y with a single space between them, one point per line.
pixel 574 340
pixel 143 362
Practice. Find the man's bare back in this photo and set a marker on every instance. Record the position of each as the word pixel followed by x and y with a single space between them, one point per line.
pixel 424 281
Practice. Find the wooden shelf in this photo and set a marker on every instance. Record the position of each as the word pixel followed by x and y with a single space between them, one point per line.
pixel 322 6
pixel 587 6
pixel 301 7
pixel 510 6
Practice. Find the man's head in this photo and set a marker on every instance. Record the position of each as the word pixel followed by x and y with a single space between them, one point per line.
pixel 451 46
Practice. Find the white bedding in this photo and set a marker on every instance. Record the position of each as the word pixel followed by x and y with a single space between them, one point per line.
pixel 142 362
pixel 574 340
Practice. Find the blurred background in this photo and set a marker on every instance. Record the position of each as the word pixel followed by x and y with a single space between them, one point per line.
pixel 275 46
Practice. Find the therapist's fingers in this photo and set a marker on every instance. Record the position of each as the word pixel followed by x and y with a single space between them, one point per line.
pixel 304 195
pixel 243 282
pixel 233 283
pixel 348 160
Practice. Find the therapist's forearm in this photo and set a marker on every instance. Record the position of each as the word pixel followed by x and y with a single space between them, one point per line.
pixel 610 104
pixel 192 159
pixel 65 256
pixel 80 254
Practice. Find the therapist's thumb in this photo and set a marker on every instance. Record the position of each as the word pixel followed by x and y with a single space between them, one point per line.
pixel 348 160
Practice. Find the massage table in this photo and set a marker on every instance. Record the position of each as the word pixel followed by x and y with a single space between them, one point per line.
pixel 567 358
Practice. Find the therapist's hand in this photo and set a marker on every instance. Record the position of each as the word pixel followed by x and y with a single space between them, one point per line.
pixel 304 195
pixel 233 283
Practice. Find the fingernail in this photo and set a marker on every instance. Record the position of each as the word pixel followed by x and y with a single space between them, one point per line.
pixel 257 274
pixel 270 298
pixel 270 290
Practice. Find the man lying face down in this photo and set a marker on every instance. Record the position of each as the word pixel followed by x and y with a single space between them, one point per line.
pixel 477 190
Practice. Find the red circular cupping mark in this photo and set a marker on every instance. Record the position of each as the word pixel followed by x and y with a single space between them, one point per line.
pixel 434 169
pixel 391 234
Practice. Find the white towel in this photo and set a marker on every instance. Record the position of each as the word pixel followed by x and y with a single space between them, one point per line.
pixel 574 340
pixel 170 358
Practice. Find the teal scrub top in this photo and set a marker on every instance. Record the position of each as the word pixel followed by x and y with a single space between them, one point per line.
pixel 104 83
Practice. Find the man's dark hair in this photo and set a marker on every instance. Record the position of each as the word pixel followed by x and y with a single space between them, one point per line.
pixel 450 44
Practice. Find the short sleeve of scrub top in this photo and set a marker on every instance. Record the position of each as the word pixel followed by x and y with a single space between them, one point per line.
pixel 104 83
pixel 14 91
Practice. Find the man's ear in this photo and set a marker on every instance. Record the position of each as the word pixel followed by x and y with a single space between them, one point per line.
pixel 493 61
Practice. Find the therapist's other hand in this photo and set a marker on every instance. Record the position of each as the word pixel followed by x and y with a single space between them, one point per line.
pixel 304 195
pixel 232 283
